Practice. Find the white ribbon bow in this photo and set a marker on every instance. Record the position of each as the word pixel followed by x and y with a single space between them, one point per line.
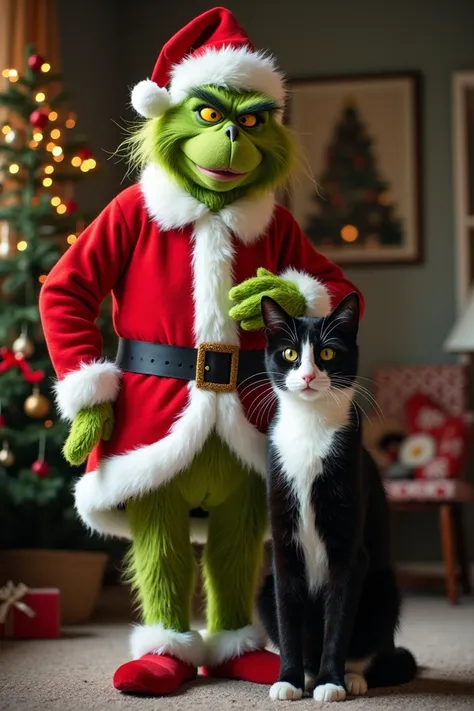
pixel 10 596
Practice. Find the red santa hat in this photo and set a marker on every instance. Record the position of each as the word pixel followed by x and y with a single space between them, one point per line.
pixel 211 49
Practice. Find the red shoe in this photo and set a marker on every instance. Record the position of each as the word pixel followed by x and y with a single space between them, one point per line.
pixel 261 667
pixel 153 674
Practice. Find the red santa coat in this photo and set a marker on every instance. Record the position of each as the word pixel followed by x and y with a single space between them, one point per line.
pixel 169 263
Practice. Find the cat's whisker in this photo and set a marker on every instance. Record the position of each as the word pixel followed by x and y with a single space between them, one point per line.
pixel 343 392
pixel 257 384
pixel 257 408
pixel 266 410
pixel 363 392
pixel 254 375
pixel 259 403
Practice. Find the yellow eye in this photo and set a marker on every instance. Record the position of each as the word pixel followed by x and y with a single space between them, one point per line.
pixel 210 115
pixel 248 120
pixel 327 354
pixel 290 355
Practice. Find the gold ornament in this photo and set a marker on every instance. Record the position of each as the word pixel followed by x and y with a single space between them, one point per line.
pixel 6 456
pixel 37 405
pixel 23 345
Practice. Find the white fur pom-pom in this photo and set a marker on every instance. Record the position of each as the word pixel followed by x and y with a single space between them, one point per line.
pixel 150 100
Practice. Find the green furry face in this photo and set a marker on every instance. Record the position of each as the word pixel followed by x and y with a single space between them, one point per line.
pixel 220 145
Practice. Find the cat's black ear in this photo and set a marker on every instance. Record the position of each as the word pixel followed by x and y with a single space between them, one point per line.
pixel 274 316
pixel 347 313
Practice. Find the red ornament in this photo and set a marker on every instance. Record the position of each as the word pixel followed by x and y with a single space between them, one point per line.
pixel 35 62
pixel 84 154
pixel 40 468
pixel 3 421
pixel 38 119
pixel 71 206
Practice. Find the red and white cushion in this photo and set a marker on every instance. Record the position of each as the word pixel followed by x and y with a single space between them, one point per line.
pixel 423 490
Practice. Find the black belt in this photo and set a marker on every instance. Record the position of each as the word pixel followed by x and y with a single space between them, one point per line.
pixel 214 366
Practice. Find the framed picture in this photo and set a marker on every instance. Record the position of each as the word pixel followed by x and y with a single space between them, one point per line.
pixel 357 190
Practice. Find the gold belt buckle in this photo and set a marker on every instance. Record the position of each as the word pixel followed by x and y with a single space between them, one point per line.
pixel 202 384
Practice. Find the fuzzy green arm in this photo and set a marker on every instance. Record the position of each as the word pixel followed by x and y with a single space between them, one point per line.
pixel 248 296
pixel 89 426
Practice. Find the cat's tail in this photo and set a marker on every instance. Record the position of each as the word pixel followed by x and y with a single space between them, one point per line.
pixel 391 668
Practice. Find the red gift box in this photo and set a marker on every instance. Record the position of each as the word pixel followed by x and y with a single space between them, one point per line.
pixel 29 613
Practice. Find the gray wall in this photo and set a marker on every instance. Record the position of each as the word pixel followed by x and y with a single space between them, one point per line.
pixel 109 45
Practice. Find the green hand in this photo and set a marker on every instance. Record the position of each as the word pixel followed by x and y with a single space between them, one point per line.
pixel 248 297
pixel 89 426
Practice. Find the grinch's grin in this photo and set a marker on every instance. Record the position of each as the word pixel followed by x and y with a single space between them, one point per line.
pixel 227 174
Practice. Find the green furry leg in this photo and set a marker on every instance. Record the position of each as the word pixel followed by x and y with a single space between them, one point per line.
pixel 233 554
pixel 160 562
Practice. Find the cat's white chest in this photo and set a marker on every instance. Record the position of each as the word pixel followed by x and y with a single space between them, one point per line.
pixel 303 441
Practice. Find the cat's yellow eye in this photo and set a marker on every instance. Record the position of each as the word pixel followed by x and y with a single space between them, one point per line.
pixel 248 120
pixel 210 115
pixel 290 355
pixel 327 354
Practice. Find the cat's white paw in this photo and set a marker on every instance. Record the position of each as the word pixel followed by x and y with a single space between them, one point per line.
pixel 329 692
pixel 283 691
pixel 356 684
pixel 309 681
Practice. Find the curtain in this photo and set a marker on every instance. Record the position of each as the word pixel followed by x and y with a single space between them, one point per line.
pixel 28 21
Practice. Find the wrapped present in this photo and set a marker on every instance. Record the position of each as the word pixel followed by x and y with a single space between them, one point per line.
pixel 29 613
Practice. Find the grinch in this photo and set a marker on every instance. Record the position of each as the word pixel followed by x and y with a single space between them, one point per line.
pixel 179 419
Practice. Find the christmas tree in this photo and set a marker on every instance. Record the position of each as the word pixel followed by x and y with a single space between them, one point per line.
pixel 41 159
pixel 353 206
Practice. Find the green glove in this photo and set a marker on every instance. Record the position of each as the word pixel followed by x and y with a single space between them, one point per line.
pixel 89 426
pixel 248 297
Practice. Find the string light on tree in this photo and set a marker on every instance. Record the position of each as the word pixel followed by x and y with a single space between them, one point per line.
pixel 22 245
pixel 49 169
pixel 53 115
pixel 70 239
pixel 45 67
pixel 10 137
pixel 40 97
pixel 14 168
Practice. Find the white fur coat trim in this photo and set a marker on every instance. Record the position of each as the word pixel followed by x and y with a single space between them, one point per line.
pixel 228 644
pixel 92 384
pixel 189 647
pixel 172 207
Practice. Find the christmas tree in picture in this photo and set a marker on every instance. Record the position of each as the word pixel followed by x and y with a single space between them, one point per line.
pixel 353 206
pixel 41 159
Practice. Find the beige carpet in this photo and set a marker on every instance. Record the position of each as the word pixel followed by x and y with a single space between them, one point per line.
pixel 74 673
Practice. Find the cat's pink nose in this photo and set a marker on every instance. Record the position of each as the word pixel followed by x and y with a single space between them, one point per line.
pixel 308 378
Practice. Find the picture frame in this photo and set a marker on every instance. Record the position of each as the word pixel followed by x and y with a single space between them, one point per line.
pixel 357 189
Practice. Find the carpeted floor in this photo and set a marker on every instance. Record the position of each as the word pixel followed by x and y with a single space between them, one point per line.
pixel 74 673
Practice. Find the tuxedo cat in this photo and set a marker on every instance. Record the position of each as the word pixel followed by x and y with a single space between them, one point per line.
pixel 331 604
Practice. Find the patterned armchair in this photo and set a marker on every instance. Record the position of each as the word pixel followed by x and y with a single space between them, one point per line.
pixel 448 386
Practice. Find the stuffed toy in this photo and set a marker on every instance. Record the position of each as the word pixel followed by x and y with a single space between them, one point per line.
pixel 187 253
